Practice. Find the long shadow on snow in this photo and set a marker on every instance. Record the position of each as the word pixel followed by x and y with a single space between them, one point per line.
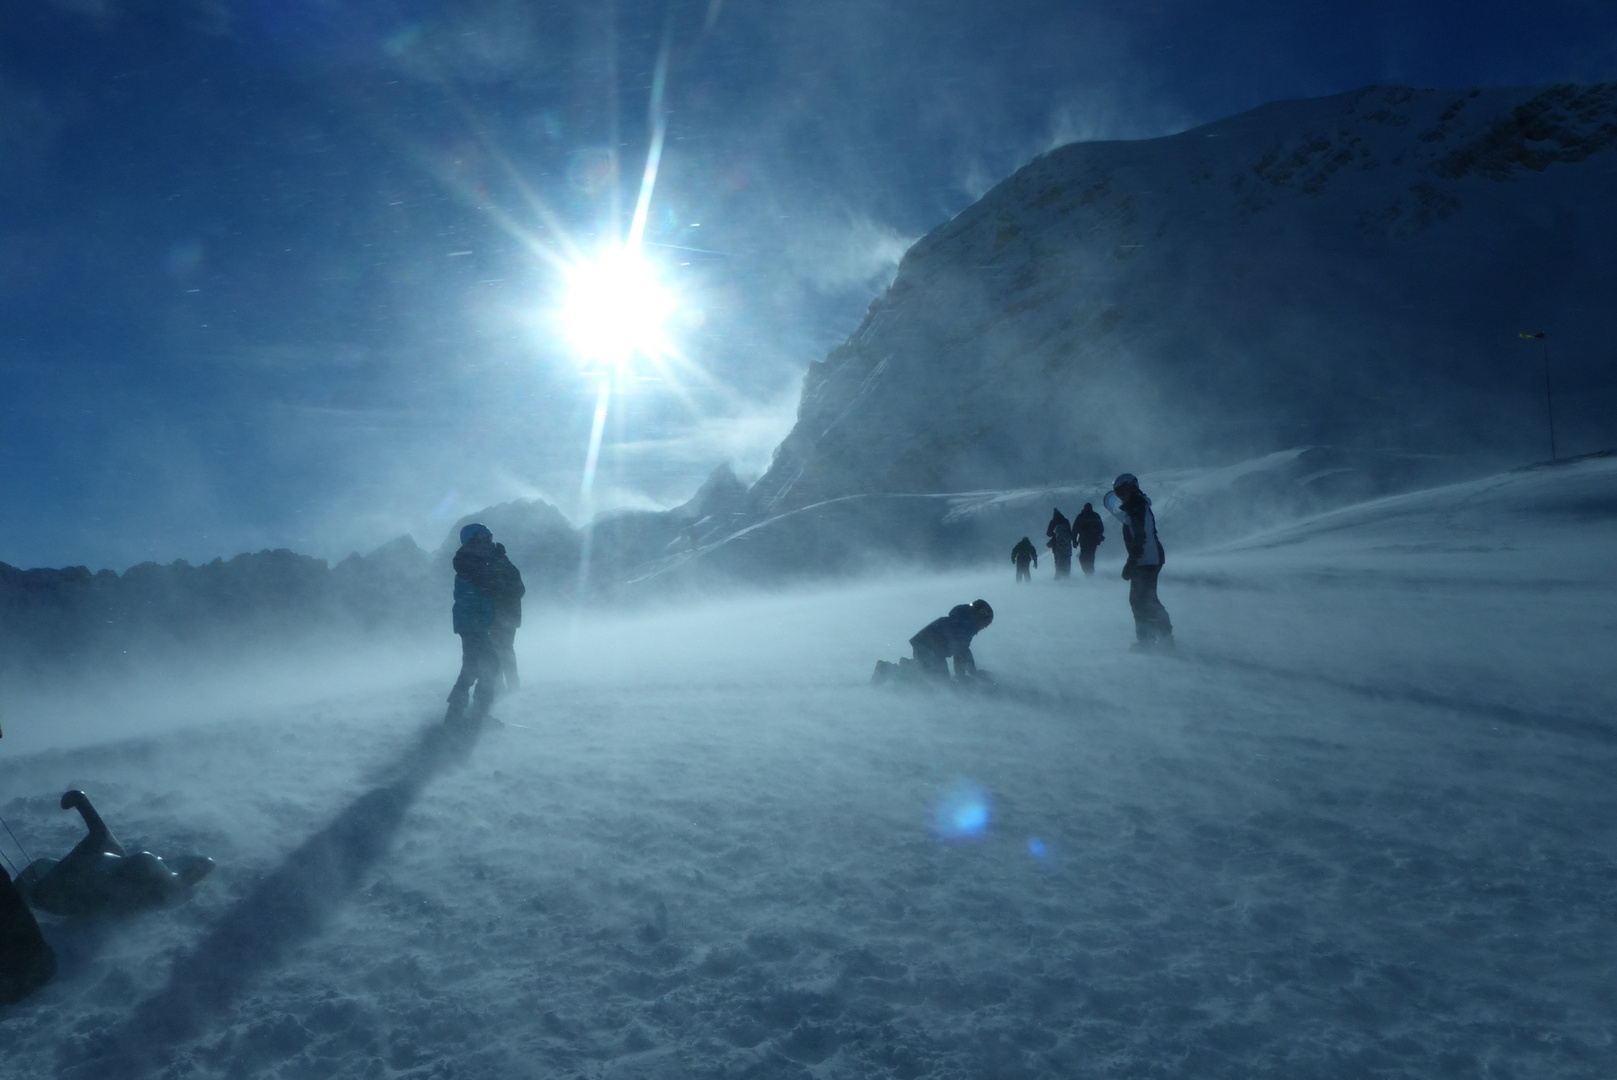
pixel 288 907
pixel 1575 727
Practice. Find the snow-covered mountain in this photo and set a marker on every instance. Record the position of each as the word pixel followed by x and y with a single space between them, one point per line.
pixel 1352 270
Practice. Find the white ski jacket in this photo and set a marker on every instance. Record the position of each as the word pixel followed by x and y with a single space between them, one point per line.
pixel 1139 530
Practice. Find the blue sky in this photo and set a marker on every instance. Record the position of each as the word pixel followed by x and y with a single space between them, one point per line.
pixel 273 268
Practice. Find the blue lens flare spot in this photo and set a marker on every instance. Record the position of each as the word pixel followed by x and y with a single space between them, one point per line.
pixel 964 812
pixel 1036 848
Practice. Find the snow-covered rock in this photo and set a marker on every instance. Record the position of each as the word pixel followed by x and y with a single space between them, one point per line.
pixel 1352 270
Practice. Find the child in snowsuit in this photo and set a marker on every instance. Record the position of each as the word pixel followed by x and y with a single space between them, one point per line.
pixel 1022 554
pixel 1090 530
pixel 1130 506
pixel 939 640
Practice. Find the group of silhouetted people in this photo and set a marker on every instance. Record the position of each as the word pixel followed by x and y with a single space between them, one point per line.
pixel 950 637
pixel 1086 532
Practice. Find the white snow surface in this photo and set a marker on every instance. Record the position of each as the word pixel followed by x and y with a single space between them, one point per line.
pixel 1360 824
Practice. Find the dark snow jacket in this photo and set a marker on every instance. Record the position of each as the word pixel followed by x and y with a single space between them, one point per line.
pixel 951 635
pixel 1060 533
pixel 508 592
pixel 1089 527
pixel 1024 552
pixel 1139 529
pixel 485 584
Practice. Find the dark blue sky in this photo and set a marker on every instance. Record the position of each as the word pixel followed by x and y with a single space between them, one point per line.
pixel 270 267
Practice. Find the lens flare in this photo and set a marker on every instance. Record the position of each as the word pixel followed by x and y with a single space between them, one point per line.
pixel 964 812
pixel 615 309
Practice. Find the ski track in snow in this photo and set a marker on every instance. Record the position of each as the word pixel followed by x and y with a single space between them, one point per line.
pixel 1360 825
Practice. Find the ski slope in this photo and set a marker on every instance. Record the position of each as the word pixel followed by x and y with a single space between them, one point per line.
pixel 1361 824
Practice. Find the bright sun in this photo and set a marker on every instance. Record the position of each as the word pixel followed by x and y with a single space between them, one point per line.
pixel 615 309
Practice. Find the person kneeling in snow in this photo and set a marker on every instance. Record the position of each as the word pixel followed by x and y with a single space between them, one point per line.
pixel 941 639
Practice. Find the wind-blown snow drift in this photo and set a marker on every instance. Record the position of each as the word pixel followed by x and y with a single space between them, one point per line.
pixel 1361 825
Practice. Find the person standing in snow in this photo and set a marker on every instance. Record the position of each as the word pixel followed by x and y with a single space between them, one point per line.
pixel 1022 554
pixel 482 576
pixel 1132 508
pixel 1090 531
pixel 507 618
pixel 1060 543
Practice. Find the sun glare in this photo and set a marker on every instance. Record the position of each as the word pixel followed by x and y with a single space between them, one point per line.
pixel 614 310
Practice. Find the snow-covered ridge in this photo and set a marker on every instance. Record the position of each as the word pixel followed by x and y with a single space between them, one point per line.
pixel 883 532
pixel 1352 270
pixel 1562 518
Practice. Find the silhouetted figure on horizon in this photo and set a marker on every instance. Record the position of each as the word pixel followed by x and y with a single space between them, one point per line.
pixel 1059 532
pixel 484 578
pixel 1023 553
pixel 1090 531
pixel 1127 503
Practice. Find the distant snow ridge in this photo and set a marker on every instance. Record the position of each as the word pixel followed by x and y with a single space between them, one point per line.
pixel 1351 270
pixel 1309 304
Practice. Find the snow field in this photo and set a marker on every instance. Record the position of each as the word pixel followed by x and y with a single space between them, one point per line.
pixel 1360 825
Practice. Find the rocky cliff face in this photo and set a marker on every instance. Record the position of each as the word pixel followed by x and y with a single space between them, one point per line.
pixel 1351 270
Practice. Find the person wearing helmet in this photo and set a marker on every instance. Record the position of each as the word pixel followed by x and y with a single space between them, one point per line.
pixel 1132 508
pixel 951 636
pixel 484 580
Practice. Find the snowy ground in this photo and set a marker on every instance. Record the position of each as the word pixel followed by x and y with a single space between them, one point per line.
pixel 1360 826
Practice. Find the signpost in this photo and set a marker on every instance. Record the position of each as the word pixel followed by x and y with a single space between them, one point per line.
pixel 1549 402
